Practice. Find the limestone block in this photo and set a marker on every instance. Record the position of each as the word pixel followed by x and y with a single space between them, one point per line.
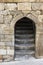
pixel 7 19
pixel 35 6
pixel 2 43
pixel 40 18
pixel 26 11
pixel 1 19
pixel 10 6
pixel 37 0
pixel 7 1
pixel 17 1
pixel 1 57
pixel 41 44
pixel 6 56
pixel 1 36
pixel 41 0
pixel 1 1
pixel 2 47
pixel 24 0
pixel 9 43
pixel 5 12
pixel 8 30
pixel 41 6
pixel 24 6
pixel 2 5
pixel 2 51
pixel 2 29
pixel 10 51
pixel 8 38
pixel 10 58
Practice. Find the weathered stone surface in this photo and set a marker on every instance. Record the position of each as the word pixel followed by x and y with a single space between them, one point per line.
pixel 2 52
pixel 17 0
pixel 1 36
pixel 5 12
pixel 2 5
pixel 1 57
pixel 26 11
pixel 41 44
pixel 9 44
pixel 35 6
pixel 24 0
pixel 1 28
pixel 40 18
pixel 8 38
pixel 7 19
pixel 41 6
pixel 10 6
pixel 1 19
pixel 2 43
pixel 37 0
pixel 7 1
pixel 9 16
pixel 8 31
pixel 36 13
pixel 24 6
pixel 10 51
pixel 8 58
pixel 41 0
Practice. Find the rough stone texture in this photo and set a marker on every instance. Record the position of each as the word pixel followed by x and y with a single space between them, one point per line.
pixel 2 5
pixel 2 51
pixel 41 6
pixel 10 13
pixel 2 43
pixel 17 0
pixel 10 44
pixel 20 1
pixel 1 57
pixel 37 6
pixel 24 0
pixel 24 6
pixel 1 18
pixel 40 18
pixel 41 45
pixel 36 13
pixel 10 51
pixel 11 6
pixel 7 19
pixel 41 0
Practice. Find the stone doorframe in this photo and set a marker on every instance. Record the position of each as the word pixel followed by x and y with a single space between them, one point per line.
pixel 37 23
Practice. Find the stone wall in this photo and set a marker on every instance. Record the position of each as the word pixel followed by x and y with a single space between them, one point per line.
pixel 9 14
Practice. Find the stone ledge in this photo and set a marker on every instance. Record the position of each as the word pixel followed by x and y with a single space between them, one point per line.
pixel 17 0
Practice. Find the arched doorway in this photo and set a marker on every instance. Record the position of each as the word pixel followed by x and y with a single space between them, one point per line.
pixel 24 38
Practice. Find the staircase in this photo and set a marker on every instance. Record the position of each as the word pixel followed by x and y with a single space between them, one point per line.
pixel 24 39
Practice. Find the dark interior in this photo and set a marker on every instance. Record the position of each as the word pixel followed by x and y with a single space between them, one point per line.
pixel 24 38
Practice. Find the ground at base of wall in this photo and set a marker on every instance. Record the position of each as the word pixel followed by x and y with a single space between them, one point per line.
pixel 31 61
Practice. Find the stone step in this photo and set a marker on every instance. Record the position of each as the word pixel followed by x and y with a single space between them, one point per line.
pixel 24 35
pixel 25 52
pixel 25 40
pixel 25 46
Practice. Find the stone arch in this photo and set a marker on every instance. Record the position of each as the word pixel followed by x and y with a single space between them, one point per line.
pixel 32 17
